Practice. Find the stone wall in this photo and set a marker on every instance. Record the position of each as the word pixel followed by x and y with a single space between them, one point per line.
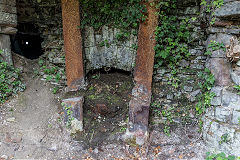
pixel 101 50
pixel 8 20
pixel 221 123
pixel 181 89
pixel 100 47
pixel 45 17
pixel 8 16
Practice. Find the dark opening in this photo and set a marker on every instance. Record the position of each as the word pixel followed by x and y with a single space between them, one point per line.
pixel 106 102
pixel 27 41
pixel 108 70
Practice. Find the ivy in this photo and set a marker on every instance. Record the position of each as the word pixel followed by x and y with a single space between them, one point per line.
pixel 211 6
pixel 172 36
pixel 206 84
pixel 10 82
pixel 121 14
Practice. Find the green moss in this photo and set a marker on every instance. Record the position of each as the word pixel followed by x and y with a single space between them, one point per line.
pixel 131 141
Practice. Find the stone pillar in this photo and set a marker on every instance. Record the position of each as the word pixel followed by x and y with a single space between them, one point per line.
pixel 141 93
pixel 8 20
pixel 73 44
pixel 5 47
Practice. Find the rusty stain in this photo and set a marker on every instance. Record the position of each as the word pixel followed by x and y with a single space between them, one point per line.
pixel 141 93
pixel 145 52
pixel 73 44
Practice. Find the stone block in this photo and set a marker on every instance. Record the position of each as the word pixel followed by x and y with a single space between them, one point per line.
pixel 73 113
pixel 220 68
pixel 188 88
pixel 217 90
pixel 103 50
pixel 194 94
pixel 229 10
pixel 236 117
pixel 219 37
pixel 218 54
pixel 212 135
pixel 7 30
pixel 8 2
pixel 235 31
pixel 235 75
pixel 8 9
pixel 210 112
pixel 8 19
pixel 5 46
pixel 223 114
pixel 231 100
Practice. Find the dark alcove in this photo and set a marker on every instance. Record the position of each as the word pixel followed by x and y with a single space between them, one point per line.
pixel 27 41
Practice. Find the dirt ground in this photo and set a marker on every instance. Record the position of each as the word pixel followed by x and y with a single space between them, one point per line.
pixel 31 125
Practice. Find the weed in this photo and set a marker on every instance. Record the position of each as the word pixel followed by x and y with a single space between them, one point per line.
pixel 213 46
pixel 224 138
pixel 170 35
pixel 237 87
pixel 166 113
pixel 123 15
pixel 69 115
pixel 55 90
pixel 220 156
pixel 207 82
pixel 123 129
pixel 211 6
pixel 10 82
pixel 96 76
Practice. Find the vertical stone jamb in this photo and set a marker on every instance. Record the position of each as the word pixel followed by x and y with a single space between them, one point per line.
pixel 8 20
pixel 73 44
pixel 141 93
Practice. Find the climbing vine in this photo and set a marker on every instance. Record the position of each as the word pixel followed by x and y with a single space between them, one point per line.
pixel 122 14
pixel 210 7
pixel 172 36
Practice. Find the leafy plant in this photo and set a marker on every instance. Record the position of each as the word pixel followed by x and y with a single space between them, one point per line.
pixel 224 138
pixel 220 156
pixel 69 114
pixel 10 81
pixel 53 74
pixel 123 14
pixel 211 6
pixel 213 46
pixel 166 113
pixel 237 87
pixel 207 82
pixel 171 36
pixel 55 90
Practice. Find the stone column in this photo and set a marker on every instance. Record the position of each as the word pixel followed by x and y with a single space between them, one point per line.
pixel 5 47
pixel 141 93
pixel 73 44
pixel 8 20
